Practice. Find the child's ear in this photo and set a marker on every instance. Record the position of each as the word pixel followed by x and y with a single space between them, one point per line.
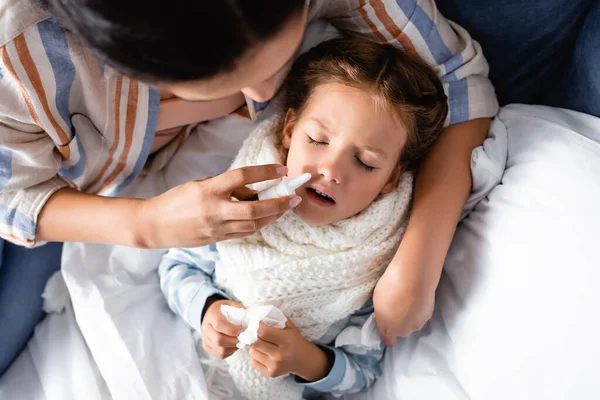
pixel 392 182
pixel 288 128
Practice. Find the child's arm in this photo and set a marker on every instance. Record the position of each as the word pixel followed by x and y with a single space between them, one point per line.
pixel 321 369
pixel 404 296
pixel 186 280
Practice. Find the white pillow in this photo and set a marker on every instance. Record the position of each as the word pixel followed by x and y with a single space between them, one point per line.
pixel 517 307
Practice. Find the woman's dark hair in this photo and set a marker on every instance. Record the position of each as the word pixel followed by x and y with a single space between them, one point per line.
pixel 173 40
pixel 399 80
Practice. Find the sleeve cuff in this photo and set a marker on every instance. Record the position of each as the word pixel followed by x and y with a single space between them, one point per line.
pixel 194 313
pixel 335 376
pixel 18 219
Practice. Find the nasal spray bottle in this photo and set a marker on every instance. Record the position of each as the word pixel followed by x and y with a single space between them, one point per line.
pixel 284 188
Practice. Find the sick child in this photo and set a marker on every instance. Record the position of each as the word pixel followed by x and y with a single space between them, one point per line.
pixel 359 117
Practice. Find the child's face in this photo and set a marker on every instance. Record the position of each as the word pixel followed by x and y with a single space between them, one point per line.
pixel 349 145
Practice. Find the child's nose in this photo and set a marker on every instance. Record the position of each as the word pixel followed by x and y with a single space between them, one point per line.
pixel 331 170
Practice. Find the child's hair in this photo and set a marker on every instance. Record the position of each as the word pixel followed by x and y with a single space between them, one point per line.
pixel 400 80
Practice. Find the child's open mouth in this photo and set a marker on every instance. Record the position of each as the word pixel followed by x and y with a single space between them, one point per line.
pixel 319 198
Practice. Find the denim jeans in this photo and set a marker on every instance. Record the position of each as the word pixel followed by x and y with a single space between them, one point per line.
pixel 23 276
pixel 539 51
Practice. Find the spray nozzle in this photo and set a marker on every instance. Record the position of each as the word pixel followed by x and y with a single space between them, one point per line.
pixel 284 188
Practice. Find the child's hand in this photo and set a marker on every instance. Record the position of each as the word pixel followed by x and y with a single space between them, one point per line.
pixel 281 351
pixel 219 336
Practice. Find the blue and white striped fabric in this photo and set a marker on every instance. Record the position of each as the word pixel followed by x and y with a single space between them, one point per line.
pixel 64 120
pixel 186 279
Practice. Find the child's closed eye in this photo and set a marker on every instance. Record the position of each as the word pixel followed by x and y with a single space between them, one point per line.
pixel 363 165
pixel 315 142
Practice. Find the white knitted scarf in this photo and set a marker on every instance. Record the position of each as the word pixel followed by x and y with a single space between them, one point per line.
pixel 317 276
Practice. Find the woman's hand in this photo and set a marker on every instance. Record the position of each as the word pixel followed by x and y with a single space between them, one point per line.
pixel 219 336
pixel 285 351
pixel 203 212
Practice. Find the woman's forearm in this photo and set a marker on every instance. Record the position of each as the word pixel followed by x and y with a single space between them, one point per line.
pixel 72 216
pixel 441 191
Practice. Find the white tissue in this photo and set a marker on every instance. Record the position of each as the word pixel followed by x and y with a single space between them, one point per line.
pixel 250 318
pixel 366 337
pixel 56 295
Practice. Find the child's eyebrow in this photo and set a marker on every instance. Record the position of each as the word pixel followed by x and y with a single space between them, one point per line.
pixel 322 124
pixel 377 151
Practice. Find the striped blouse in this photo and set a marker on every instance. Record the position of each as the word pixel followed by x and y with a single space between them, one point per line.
pixel 68 120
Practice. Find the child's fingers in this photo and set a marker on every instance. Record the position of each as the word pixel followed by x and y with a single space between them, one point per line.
pixel 225 341
pixel 261 368
pixel 259 356
pixel 219 352
pixel 225 327
pixel 264 347
pixel 269 333
pixel 217 339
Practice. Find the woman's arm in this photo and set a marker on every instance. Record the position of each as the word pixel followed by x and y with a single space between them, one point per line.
pixel 404 297
pixel 190 215
pixel 70 215
pixel 417 26
pixel 40 156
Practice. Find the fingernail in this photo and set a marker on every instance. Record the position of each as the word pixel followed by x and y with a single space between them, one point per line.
pixel 294 201
pixel 282 171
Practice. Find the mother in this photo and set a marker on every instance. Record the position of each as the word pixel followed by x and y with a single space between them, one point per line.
pixel 86 105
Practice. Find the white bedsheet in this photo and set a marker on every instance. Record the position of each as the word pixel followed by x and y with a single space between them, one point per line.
pixel 56 364
pixel 516 308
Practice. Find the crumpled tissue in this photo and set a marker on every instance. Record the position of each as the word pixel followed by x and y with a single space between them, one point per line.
pixel 56 295
pixel 250 318
pixel 366 336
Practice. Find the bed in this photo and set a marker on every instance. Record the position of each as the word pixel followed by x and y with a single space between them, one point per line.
pixel 515 310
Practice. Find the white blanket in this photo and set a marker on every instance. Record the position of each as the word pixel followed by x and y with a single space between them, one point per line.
pixel 516 314
pixel 516 308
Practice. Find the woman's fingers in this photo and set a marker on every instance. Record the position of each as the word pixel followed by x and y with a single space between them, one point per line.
pixel 239 229
pixel 236 178
pixel 243 193
pixel 254 210
pixel 250 226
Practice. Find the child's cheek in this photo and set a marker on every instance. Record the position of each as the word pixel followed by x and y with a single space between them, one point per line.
pixel 297 158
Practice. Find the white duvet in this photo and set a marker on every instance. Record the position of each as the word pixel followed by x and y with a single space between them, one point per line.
pixel 516 308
